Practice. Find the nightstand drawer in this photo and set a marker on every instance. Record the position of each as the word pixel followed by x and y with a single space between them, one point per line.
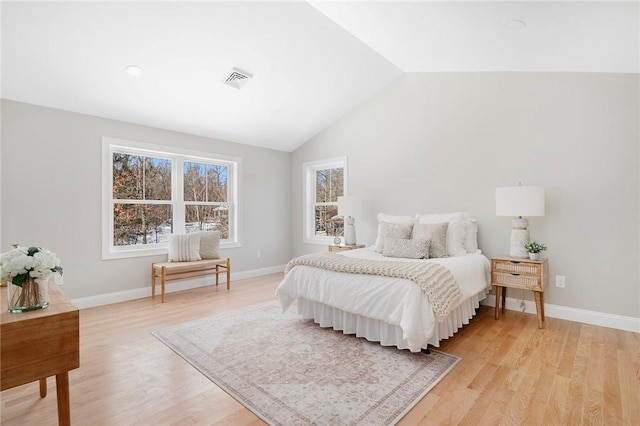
pixel 516 280
pixel 515 267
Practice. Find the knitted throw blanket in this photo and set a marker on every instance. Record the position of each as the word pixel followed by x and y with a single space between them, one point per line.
pixel 435 280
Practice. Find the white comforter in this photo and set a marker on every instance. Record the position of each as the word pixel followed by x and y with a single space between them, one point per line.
pixel 395 301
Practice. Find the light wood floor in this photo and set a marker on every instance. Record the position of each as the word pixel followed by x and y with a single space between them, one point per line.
pixel 511 372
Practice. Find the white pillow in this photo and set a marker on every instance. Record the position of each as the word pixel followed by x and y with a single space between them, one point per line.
pixel 456 230
pixel 471 236
pixel 408 249
pixel 392 230
pixel 184 247
pixel 395 219
pixel 434 232
pixel 210 244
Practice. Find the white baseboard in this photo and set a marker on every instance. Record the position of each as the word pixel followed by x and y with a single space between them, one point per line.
pixel 554 311
pixel 139 293
pixel 572 314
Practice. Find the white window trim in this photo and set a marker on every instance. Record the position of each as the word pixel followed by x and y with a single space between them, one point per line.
pixel 108 143
pixel 308 196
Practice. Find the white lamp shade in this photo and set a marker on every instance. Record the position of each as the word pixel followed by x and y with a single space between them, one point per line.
pixel 349 206
pixel 520 201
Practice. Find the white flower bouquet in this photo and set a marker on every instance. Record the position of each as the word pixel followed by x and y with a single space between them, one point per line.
pixel 28 270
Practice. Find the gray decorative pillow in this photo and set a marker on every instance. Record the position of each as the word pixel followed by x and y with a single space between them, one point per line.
pixel 392 230
pixel 436 233
pixel 210 244
pixel 410 249
pixel 184 247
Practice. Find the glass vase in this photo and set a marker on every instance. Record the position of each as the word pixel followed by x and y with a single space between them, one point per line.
pixel 31 295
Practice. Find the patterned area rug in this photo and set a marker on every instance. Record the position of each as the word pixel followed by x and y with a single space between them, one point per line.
pixel 290 371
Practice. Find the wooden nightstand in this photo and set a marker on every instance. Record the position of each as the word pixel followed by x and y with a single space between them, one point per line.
pixel 520 273
pixel 334 248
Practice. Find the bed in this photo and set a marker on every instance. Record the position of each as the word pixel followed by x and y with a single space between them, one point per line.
pixel 392 311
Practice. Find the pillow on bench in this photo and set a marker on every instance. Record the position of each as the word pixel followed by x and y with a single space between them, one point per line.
pixel 209 244
pixel 184 247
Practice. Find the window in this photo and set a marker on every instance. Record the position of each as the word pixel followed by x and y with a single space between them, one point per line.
pixel 150 192
pixel 206 196
pixel 325 181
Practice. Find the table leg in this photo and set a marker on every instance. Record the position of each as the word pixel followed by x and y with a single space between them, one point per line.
pixel 504 298
pixel 497 308
pixel 540 307
pixel 62 389
pixel 43 387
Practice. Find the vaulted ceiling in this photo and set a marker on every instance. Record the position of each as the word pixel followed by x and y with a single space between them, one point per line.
pixel 310 62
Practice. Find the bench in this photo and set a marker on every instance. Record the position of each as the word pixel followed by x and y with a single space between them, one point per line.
pixel 173 271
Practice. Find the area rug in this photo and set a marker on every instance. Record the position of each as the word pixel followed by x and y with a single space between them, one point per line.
pixel 290 371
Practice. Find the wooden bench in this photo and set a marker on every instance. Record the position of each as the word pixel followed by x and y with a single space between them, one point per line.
pixel 173 271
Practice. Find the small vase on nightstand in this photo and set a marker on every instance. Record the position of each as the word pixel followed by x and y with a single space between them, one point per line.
pixel 534 256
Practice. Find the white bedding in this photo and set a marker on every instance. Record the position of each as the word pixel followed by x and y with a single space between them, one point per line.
pixel 396 302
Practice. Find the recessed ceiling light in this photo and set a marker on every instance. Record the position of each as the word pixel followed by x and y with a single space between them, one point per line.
pixel 133 70
pixel 515 24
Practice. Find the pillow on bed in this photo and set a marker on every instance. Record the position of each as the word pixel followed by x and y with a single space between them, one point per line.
pixel 395 219
pixel 409 249
pixel 392 230
pixel 471 236
pixel 387 218
pixel 456 230
pixel 184 247
pixel 436 233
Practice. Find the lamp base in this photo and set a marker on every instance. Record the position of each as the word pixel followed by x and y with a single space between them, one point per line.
pixel 349 231
pixel 519 237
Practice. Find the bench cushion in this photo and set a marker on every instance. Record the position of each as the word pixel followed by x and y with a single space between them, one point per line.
pixel 176 267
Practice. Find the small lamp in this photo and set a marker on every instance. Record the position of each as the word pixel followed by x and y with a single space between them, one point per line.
pixel 519 201
pixel 348 207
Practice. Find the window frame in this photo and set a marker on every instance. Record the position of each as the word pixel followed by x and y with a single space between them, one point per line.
pixel 177 156
pixel 309 170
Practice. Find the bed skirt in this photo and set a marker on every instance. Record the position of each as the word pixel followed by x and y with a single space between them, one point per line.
pixel 379 331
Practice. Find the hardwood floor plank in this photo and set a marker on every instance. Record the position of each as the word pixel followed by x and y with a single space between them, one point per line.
pixel 511 371
pixel 629 388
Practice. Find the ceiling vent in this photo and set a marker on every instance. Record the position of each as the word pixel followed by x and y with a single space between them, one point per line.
pixel 237 78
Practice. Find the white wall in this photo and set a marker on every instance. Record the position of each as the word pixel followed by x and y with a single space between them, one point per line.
pixel 51 171
pixel 439 142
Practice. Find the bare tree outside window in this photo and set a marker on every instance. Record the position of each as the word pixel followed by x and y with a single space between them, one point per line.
pixel 206 196
pixel 329 185
pixel 136 181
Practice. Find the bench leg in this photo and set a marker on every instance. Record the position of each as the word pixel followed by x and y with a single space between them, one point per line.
pixel 228 273
pixel 217 274
pixel 153 282
pixel 162 280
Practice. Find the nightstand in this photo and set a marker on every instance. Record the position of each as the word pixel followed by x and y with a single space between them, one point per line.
pixel 334 248
pixel 520 273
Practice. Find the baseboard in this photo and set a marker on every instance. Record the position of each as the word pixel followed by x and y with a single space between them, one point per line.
pixel 554 311
pixel 139 293
pixel 571 314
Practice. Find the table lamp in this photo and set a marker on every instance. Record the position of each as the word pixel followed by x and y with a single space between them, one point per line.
pixel 348 207
pixel 519 201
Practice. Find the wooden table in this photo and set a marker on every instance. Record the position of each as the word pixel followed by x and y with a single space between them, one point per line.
pixel 519 273
pixel 38 344
pixel 335 248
